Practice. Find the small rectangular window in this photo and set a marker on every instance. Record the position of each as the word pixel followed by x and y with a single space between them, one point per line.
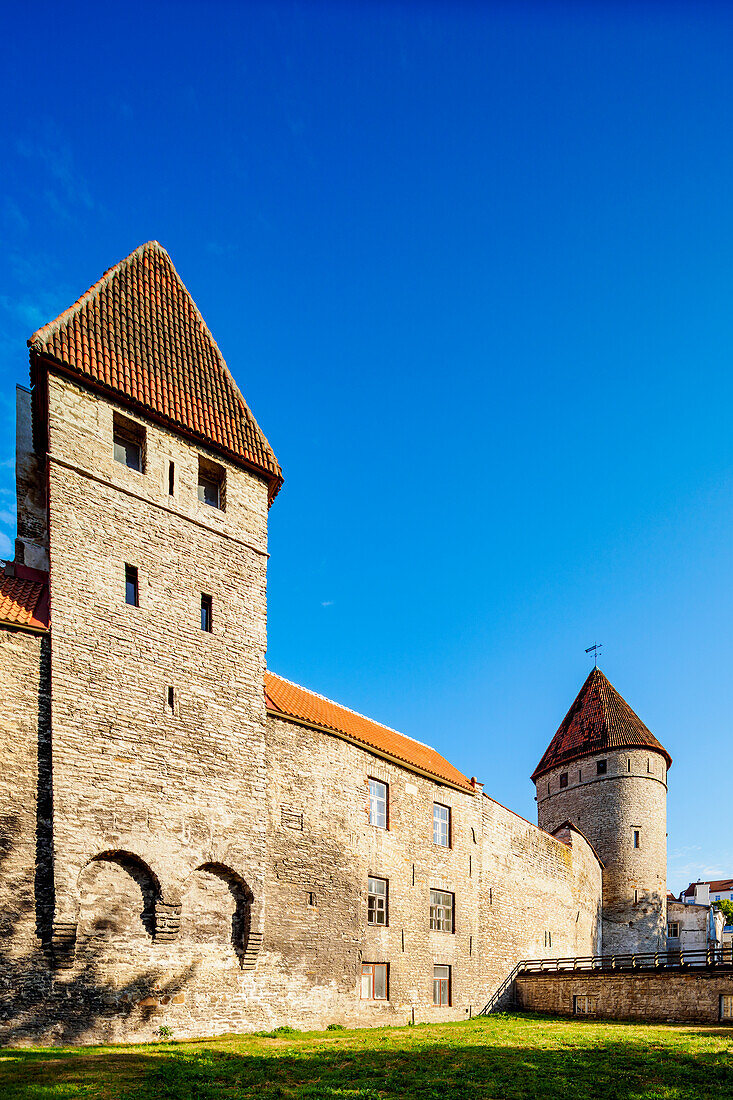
pixel 601 767
pixel 673 930
pixel 311 898
pixel 128 442
pixel 564 779
pixel 211 483
pixel 441 911
pixel 584 1005
pixel 171 478
pixel 637 838
pixel 378 803
pixel 726 1006
pixel 206 617
pixel 441 985
pixel 441 825
pixel 171 700
pixel 374 982
pixel 377 901
pixel 131 586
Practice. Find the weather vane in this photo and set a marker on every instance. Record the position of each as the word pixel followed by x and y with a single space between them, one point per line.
pixel 595 650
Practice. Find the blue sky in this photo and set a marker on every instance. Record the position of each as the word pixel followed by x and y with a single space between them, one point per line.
pixel 471 265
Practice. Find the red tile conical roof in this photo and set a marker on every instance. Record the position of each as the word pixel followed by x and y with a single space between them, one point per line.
pixel 138 333
pixel 598 720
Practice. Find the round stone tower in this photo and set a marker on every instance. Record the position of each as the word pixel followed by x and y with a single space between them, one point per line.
pixel 605 772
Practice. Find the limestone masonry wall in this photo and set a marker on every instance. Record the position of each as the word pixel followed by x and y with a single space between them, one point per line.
pixel 674 995
pixel 187 860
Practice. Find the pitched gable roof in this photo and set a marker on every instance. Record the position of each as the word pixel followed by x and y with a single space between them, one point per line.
pixel 291 701
pixel 24 600
pixel 713 884
pixel 138 333
pixel 598 720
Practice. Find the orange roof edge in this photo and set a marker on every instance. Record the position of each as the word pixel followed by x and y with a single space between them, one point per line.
pixel 288 700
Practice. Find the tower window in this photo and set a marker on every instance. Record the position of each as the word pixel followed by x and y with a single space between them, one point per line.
pixel 211 483
pixel 131 586
pixel 311 898
pixel 564 779
pixel 171 700
pixel 128 442
pixel 206 613
pixel 171 478
pixel 628 765
pixel 601 767
pixel 637 838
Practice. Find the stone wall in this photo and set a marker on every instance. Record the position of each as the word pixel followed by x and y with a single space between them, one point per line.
pixel 631 796
pixel 692 996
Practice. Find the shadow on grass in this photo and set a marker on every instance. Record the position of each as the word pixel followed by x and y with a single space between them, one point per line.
pixel 407 1066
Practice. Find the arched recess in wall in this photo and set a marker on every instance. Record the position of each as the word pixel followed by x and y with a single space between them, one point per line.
pixel 217 910
pixel 117 897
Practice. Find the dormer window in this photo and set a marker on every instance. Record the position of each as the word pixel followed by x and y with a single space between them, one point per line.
pixel 128 443
pixel 211 483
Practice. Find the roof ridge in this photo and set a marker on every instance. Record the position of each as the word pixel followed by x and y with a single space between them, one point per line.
pixel 50 327
pixel 358 714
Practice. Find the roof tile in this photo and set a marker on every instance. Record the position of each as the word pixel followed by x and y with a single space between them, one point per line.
pixel 23 603
pixel 306 706
pixel 138 332
pixel 598 720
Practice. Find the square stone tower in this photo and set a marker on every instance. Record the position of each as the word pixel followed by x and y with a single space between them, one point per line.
pixel 157 481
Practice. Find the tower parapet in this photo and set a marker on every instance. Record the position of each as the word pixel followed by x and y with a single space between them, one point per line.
pixel 605 771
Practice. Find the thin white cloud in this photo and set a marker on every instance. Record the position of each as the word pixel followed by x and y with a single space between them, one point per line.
pixel 326 603
pixel 6 547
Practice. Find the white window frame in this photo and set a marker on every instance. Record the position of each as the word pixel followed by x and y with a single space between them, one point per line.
pixel 442 910
pixel 378 803
pixel 377 902
pixel 442 825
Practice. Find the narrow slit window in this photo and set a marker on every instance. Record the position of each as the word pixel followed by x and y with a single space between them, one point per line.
pixel 171 700
pixel 206 613
pixel 311 898
pixel 637 838
pixel 441 985
pixel 171 478
pixel 131 586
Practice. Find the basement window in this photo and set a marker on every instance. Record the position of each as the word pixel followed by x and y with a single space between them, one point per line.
pixel 374 981
pixel 128 442
pixel 584 1005
pixel 601 767
pixel 564 779
pixel 441 985
pixel 131 586
pixel 726 1006
pixel 212 481
pixel 206 613
pixel 377 901
pixel 673 930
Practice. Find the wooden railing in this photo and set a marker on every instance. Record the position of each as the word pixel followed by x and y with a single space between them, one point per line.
pixel 678 959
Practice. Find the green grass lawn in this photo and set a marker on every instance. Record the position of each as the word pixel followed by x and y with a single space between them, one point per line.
pixel 512 1057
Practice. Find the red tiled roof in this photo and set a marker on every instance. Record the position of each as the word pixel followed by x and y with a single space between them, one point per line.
pixel 23 603
pixel 598 720
pixel 138 333
pixel 296 702
pixel 715 884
